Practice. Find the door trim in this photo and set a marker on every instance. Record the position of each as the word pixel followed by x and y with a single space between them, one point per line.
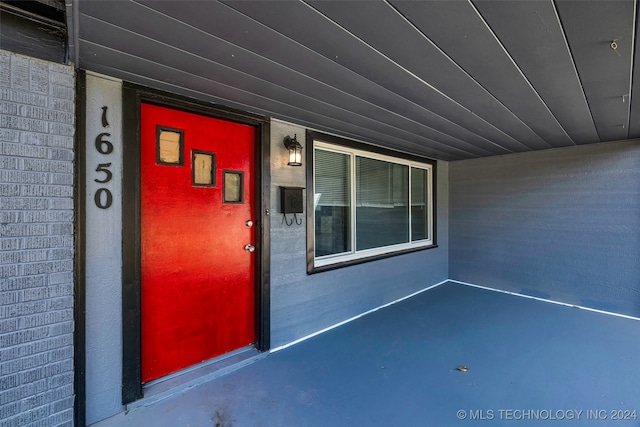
pixel 132 97
pixel 80 262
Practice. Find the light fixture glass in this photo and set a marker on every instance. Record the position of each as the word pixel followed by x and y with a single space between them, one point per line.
pixel 295 150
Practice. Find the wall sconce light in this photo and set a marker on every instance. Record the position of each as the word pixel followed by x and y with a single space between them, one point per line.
pixel 295 150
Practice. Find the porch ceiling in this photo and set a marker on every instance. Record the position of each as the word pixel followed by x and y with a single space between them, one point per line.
pixel 446 79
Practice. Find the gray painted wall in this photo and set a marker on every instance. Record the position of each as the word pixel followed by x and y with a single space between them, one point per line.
pixel 561 224
pixel 302 304
pixel 36 240
pixel 103 254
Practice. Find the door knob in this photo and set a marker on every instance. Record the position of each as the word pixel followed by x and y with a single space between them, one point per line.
pixel 249 248
pixel 249 223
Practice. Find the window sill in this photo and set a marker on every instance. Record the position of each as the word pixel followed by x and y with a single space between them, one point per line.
pixel 312 269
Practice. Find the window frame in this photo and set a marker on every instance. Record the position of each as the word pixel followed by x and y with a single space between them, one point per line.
pixel 316 140
pixel 159 161
pixel 194 154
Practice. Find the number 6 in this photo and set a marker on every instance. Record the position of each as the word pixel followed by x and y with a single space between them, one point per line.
pixel 103 146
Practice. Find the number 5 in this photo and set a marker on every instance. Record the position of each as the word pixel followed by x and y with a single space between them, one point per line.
pixel 102 167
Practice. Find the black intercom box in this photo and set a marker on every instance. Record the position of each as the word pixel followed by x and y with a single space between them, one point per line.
pixel 291 200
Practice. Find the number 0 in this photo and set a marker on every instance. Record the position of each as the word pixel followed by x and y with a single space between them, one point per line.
pixel 108 198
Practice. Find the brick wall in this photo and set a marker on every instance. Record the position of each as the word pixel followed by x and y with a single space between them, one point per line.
pixel 36 242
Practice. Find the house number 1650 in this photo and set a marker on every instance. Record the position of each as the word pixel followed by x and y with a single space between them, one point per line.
pixel 103 197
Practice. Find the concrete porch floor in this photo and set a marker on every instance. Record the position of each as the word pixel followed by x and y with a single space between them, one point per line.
pixel 529 363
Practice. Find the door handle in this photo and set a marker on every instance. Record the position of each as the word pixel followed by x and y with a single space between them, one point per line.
pixel 249 248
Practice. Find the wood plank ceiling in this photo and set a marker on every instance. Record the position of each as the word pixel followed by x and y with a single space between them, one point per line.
pixel 446 79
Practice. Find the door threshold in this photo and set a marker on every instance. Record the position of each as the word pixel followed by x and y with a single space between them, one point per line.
pixel 177 382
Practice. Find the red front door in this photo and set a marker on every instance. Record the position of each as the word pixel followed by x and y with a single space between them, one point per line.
pixel 197 237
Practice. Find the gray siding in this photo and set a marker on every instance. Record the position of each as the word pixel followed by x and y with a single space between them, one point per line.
pixel 303 304
pixel 560 224
pixel 36 238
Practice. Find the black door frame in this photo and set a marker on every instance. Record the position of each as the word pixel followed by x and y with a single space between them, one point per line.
pixel 79 267
pixel 132 97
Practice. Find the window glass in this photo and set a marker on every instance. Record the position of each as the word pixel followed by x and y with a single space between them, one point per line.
pixel 419 211
pixel 332 203
pixel 233 187
pixel 382 203
pixel 169 146
pixel 204 169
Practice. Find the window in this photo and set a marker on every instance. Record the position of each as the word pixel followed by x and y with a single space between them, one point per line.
pixel 233 186
pixel 367 204
pixel 332 200
pixel 203 171
pixel 169 146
